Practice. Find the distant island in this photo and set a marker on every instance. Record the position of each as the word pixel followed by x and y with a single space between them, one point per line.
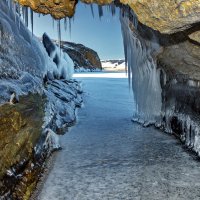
pixel 113 65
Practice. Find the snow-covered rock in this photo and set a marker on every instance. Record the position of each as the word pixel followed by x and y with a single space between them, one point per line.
pixel 116 65
pixel 64 65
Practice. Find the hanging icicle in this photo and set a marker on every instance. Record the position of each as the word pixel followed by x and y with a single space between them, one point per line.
pixel 31 15
pixel 100 9
pixel 65 23
pixel 142 71
pixel 92 10
pixel 70 27
pixel 59 34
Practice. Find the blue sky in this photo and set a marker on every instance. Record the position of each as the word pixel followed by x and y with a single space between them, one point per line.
pixel 104 36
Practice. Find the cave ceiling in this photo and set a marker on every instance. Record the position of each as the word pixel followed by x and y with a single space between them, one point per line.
pixel 166 16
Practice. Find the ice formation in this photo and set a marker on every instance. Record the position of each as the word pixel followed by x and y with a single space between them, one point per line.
pixel 24 61
pixel 64 65
pixel 181 109
pixel 142 71
pixel 142 68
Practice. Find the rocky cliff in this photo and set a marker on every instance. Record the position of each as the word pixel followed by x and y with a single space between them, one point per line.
pixel 83 57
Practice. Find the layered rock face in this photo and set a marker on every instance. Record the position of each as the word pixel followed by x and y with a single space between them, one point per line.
pixel 83 57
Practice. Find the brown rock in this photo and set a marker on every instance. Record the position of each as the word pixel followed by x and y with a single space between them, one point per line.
pixel 82 56
pixel 167 16
pixel 20 129
pixel 183 57
pixel 57 8
pixel 195 36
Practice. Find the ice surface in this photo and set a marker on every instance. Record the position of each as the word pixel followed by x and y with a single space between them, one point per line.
pixel 106 157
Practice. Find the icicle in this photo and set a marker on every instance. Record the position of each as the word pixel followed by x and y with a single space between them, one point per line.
pixel 14 10
pixel 19 12
pixel 112 9
pixel 59 34
pixel 65 23
pixel 25 15
pixel 92 10
pixel 73 18
pixel 31 13
pixel 53 22
pixel 70 27
pixel 142 71
pixel 100 9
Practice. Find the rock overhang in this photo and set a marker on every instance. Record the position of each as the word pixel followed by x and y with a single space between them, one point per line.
pixel 167 16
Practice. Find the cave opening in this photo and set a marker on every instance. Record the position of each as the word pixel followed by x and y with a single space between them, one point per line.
pixel 140 46
pixel 165 80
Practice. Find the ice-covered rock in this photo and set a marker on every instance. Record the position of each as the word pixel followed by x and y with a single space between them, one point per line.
pixel 64 64
pixel 165 79
pixel 23 60
pixel 38 80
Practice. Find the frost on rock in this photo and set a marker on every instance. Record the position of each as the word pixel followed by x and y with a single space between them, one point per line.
pixel 142 70
pixel 52 141
pixel 181 110
pixel 62 99
pixel 23 59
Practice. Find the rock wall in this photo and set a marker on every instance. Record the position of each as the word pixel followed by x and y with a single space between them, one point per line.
pixel 37 102
pixel 20 131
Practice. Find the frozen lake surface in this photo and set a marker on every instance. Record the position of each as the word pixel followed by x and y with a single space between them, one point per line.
pixel 107 157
